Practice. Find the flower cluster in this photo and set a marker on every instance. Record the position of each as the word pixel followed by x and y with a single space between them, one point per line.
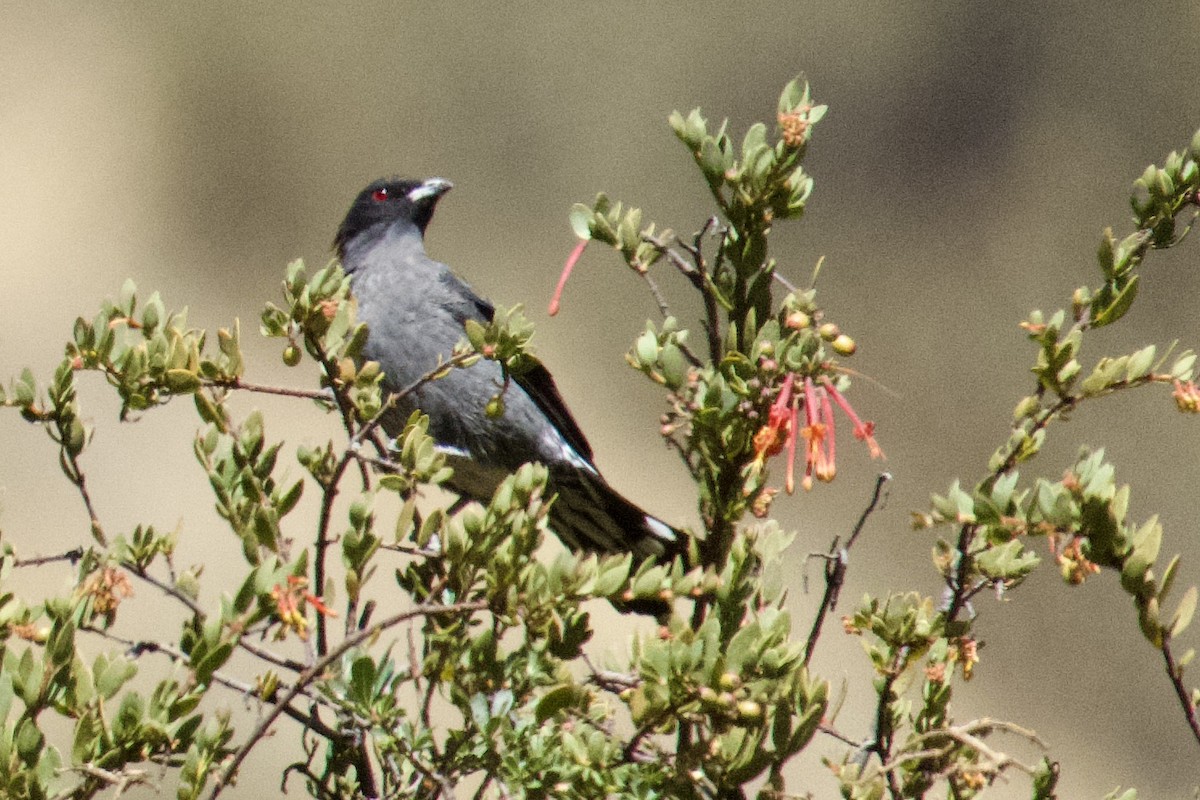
pixel 290 601
pixel 106 588
pixel 783 430
pixel 794 125
pixel 1187 396
pixel 1072 563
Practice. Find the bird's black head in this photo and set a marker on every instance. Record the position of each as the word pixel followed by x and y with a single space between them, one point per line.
pixel 390 200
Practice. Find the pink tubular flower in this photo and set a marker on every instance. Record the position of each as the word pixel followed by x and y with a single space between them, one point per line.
pixel 771 437
pixel 556 300
pixel 826 467
pixel 863 431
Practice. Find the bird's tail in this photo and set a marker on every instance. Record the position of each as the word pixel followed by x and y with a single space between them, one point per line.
pixel 588 514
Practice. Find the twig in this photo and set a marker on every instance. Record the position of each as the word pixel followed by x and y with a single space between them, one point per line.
pixel 74 473
pixel 305 678
pixel 784 282
pixel 829 730
pixel 330 489
pixel 119 780
pixel 970 735
pixel 36 561
pixel 711 311
pixel 882 746
pixel 483 785
pixel 321 395
pixel 609 680
pixel 657 294
pixel 836 562
pixel 697 275
pixel 1175 673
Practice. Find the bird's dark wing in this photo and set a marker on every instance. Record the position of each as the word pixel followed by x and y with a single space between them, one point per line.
pixel 539 385
pixel 536 381
pixel 464 304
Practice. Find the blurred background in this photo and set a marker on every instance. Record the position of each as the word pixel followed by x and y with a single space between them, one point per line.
pixel 971 157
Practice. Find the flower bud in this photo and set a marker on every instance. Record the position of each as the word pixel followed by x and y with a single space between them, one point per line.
pixel 749 710
pixel 797 320
pixel 494 407
pixel 843 345
pixel 829 331
pixel 1027 407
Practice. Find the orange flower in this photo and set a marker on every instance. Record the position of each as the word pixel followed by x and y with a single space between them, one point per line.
pixel 771 438
pixel 290 606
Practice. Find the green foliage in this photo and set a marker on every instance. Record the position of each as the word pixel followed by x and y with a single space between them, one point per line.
pixel 480 674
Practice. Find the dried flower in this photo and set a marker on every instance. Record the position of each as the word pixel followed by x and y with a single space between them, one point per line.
pixel 794 125
pixel 106 587
pixel 1187 396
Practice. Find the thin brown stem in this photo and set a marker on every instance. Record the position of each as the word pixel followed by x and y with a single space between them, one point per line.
pixel 1175 673
pixel 837 560
pixel 72 556
pixel 138 646
pixel 259 388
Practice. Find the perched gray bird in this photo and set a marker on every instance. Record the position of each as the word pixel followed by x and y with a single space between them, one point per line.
pixel 415 309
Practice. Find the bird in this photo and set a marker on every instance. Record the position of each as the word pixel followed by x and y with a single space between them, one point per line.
pixel 415 309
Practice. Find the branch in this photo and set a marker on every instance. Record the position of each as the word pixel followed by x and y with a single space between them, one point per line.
pixel 970 735
pixel 74 473
pixel 72 556
pixel 836 563
pixel 1175 673
pixel 119 780
pixel 697 274
pixel 309 675
pixel 882 746
pixel 234 382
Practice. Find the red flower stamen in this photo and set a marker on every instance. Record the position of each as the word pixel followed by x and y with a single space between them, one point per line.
pixel 566 273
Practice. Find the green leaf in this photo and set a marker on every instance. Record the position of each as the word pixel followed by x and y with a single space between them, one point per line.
pixel 559 698
pixel 111 673
pixel 1185 611
pixel 581 220
pixel 1115 309
pixel 1140 363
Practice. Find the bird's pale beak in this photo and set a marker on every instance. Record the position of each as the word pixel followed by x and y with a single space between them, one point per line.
pixel 432 188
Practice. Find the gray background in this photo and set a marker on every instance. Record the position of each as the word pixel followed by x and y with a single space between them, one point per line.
pixel 971 157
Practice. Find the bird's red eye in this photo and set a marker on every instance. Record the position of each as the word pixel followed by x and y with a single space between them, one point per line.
pixel 379 195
